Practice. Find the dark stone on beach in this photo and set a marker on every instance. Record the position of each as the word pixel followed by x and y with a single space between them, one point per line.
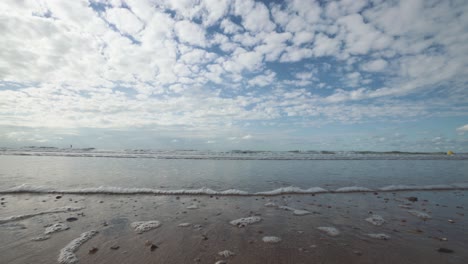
pixel 412 199
pixel 204 237
pixel 115 247
pixel 71 219
pixel 445 250
pixel 153 247
pixel 359 253
pixel 93 250
pixel 58 196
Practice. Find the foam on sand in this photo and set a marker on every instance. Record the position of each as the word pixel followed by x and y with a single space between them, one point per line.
pixel 193 206
pixel 226 253
pixel 242 222
pixel 67 254
pixel 50 211
pixel 376 220
pixel 379 236
pixel 419 214
pixel 271 204
pixel 271 239
pixel 295 211
pixel 40 238
pixel 331 231
pixel 57 227
pixel 145 226
pixel 184 225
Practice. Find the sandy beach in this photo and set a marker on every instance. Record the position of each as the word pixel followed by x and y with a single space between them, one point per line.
pixel 386 227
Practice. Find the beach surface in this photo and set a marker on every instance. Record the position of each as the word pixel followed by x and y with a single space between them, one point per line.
pixel 362 227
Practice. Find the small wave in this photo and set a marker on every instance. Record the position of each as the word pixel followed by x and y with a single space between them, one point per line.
pixel 230 192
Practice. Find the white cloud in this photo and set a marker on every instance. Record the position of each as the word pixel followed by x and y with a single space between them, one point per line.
pixel 255 16
pixel 375 65
pixel 463 129
pixel 190 33
pixel 124 20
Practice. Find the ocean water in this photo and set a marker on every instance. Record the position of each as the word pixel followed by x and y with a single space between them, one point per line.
pixel 45 169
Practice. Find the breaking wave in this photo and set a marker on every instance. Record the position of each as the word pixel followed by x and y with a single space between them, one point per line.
pixel 230 192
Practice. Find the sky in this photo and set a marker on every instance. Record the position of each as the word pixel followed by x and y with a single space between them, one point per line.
pixel 222 75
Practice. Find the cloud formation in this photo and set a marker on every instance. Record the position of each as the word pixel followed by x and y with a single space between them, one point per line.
pixel 206 65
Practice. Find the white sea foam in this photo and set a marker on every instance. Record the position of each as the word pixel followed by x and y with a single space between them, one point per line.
pixel 40 238
pixel 144 226
pixel 193 206
pixel 331 231
pixel 50 211
pixel 184 225
pixel 57 227
pixel 379 236
pixel 271 239
pixel 376 220
pixel 226 253
pixel 67 254
pixel 295 211
pixel 230 192
pixel 293 190
pixel 242 222
pixel 271 204
pixel 420 214
pixel 353 189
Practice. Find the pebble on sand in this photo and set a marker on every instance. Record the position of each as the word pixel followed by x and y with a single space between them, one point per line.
pixel 380 236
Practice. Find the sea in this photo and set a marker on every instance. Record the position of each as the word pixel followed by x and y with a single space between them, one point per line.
pixel 237 172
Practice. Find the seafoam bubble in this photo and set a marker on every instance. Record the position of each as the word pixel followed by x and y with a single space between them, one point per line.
pixel 376 220
pixel 329 230
pixel 144 226
pixel 271 239
pixel 380 236
pixel 57 227
pixel 40 238
pixel 67 254
pixel 295 211
pixel 419 214
pixel 242 222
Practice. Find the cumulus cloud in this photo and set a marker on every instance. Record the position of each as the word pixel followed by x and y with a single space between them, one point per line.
pixel 463 129
pixel 375 65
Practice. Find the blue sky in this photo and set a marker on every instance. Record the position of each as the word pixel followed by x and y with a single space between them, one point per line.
pixel 219 74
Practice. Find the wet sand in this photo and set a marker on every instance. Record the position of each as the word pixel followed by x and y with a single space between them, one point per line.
pixel 206 229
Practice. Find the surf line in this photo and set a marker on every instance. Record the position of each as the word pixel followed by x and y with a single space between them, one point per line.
pixel 25 189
